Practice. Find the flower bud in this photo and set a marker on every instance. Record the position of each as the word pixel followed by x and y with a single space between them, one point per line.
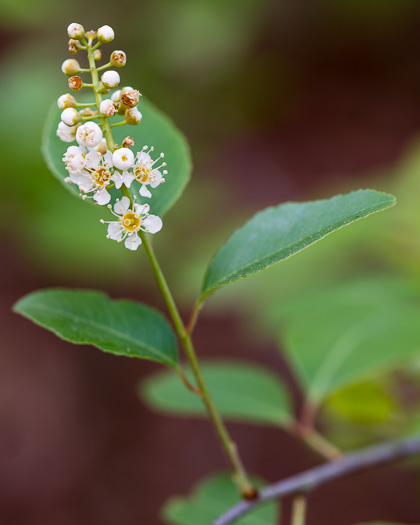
pixel 110 79
pixel 90 35
pixel 66 101
pixel 87 112
pixel 131 98
pixel 105 34
pixel 128 141
pixel 70 117
pixel 89 135
pixel 125 90
pixel 118 59
pixel 133 116
pixel 116 96
pixel 74 46
pixel 123 158
pixel 66 133
pixel 75 31
pixel 97 54
pixel 75 83
pixel 102 147
pixel 70 66
pixel 107 108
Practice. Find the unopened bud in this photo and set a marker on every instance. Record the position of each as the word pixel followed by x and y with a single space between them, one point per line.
pixel 102 147
pixel 74 46
pixel 87 112
pixel 127 142
pixel 133 116
pixel 105 34
pixel 75 31
pixel 116 95
pixel 107 108
pixel 131 98
pixel 118 59
pixel 70 117
pixel 110 79
pixel 90 35
pixel 97 54
pixel 75 83
pixel 70 66
pixel 66 101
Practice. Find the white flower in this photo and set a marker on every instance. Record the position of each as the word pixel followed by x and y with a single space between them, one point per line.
pixel 107 108
pixel 133 116
pixel 70 117
pixel 72 151
pixel 123 158
pixel 89 135
pixel 110 79
pixel 105 34
pixel 91 172
pixel 146 174
pixel 66 101
pixel 66 133
pixel 130 221
pixel 75 31
pixel 70 66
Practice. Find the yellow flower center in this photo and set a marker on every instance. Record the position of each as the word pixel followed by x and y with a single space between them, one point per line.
pixel 142 174
pixel 102 176
pixel 131 221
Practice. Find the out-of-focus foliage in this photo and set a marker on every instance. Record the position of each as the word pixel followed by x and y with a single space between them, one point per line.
pixel 211 498
pixel 241 392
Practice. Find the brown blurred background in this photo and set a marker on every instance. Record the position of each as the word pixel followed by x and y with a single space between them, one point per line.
pixel 280 100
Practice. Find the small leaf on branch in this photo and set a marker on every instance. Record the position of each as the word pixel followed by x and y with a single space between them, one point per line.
pixel 156 129
pixel 120 327
pixel 279 232
pixel 241 392
pixel 213 497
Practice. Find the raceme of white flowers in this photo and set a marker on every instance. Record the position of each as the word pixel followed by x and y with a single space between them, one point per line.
pixel 91 165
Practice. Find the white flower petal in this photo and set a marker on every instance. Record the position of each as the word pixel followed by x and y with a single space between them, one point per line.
pixel 121 207
pixel 117 178
pixel 127 178
pixel 141 209
pixel 102 197
pixel 115 231
pixel 152 223
pixel 132 242
pixel 144 192
pixel 155 178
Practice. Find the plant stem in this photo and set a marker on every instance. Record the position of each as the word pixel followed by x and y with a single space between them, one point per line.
pixel 106 128
pixel 321 445
pixel 370 457
pixel 228 445
pixel 299 510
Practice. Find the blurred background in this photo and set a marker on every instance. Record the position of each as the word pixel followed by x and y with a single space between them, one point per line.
pixel 280 100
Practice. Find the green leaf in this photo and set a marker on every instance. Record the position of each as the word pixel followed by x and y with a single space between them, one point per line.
pixel 380 523
pixel 279 232
pixel 211 498
pixel 86 317
pixel 351 333
pixel 241 392
pixel 155 129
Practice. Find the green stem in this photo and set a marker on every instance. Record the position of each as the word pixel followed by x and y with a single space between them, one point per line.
pixel 106 128
pixel 118 124
pixel 104 66
pixel 85 105
pixel 228 445
pixel 299 510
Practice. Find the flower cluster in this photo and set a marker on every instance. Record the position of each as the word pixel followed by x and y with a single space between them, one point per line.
pixel 96 165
